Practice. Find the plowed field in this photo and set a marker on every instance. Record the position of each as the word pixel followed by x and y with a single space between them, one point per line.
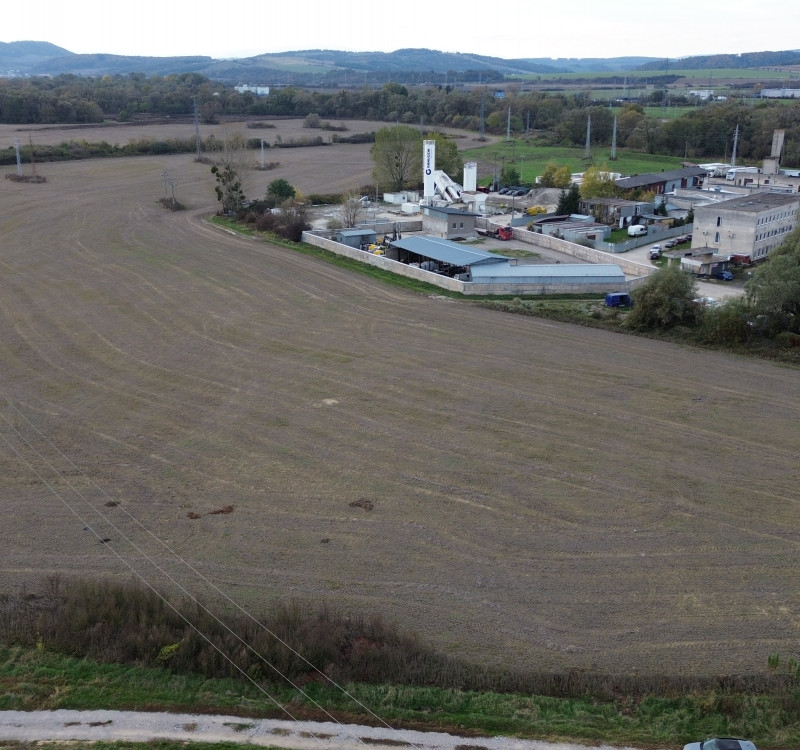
pixel 517 491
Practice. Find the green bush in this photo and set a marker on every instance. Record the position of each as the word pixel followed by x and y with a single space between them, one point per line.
pixel 665 300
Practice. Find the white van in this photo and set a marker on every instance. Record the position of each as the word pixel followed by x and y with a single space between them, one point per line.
pixel 637 230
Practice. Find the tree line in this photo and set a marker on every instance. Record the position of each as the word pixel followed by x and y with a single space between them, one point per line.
pixel 555 118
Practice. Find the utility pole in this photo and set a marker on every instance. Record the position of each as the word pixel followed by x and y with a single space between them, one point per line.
pixel 33 157
pixel 735 144
pixel 528 127
pixel 196 130
pixel 483 115
pixel 19 159
pixel 587 152
pixel 508 125
pixel 614 141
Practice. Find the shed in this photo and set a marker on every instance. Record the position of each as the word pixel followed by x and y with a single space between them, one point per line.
pixel 448 223
pixel 601 276
pixel 356 237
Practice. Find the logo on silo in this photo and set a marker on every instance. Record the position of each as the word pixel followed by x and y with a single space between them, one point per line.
pixel 429 147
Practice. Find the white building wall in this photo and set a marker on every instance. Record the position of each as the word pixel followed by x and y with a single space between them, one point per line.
pixel 729 230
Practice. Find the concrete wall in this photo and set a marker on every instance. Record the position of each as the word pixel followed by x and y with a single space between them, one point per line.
pixel 588 254
pixel 470 288
pixel 381 261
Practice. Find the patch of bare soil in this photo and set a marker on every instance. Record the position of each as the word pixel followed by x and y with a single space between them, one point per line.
pixel 544 496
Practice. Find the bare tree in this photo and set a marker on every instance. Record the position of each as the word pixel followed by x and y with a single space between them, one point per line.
pixel 351 209
pixel 230 170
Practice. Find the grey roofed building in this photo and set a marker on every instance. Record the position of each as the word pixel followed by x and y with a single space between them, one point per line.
pixel 447 222
pixel 751 225
pixel 356 237
pixel 664 182
pixel 513 272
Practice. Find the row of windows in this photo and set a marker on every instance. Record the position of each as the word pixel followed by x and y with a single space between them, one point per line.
pixel 774 217
pixel 762 252
pixel 767 219
pixel 773 232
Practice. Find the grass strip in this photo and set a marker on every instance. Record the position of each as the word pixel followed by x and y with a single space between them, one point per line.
pixel 35 679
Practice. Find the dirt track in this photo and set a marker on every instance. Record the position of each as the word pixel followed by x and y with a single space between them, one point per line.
pixel 543 495
pixel 130 726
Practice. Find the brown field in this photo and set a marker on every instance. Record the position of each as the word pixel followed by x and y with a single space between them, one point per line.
pixel 519 492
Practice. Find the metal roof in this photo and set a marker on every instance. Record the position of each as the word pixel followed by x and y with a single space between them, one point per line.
pixel 655 177
pixel 756 202
pixel 446 251
pixel 561 273
pixel 355 232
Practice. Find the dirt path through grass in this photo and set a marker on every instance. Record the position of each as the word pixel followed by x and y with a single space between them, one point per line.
pixel 115 726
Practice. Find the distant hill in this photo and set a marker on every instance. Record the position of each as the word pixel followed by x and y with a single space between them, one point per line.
pixel 22 56
pixel 300 67
pixel 100 65
pixel 743 60
pixel 334 67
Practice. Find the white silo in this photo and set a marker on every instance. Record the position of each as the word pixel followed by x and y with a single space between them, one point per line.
pixel 470 177
pixel 428 166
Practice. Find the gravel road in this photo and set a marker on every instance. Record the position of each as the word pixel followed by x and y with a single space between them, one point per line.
pixel 97 726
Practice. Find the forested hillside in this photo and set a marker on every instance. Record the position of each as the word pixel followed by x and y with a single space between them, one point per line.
pixel 702 133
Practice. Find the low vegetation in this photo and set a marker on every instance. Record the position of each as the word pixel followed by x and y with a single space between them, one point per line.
pixel 89 645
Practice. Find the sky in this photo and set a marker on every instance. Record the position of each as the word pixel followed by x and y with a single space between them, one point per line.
pixel 571 28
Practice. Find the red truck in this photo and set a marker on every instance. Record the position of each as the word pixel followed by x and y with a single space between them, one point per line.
pixel 501 233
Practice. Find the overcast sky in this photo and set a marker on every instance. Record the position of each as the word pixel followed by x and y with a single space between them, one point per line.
pixel 529 28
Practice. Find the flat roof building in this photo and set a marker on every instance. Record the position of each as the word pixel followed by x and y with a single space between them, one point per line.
pixel 751 225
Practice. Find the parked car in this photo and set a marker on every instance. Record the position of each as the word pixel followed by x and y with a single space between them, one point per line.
pixel 520 192
pixel 655 252
pixel 706 301
pixel 618 299
pixel 723 275
pixel 637 230
pixel 671 243
pixel 721 743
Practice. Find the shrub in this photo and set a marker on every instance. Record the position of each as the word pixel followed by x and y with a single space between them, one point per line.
pixel 726 323
pixel 787 339
pixel 325 199
pixel 664 300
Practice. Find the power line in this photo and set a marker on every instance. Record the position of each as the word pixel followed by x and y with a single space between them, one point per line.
pixel 178 585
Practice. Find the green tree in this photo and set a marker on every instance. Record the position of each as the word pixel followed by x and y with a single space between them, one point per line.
pixel 510 176
pixel 569 201
pixel 664 300
pixel 774 289
pixel 280 190
pixel 598 183
pixel 727 323
pixel 562 178
pixel 397 155
pixel 548 177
